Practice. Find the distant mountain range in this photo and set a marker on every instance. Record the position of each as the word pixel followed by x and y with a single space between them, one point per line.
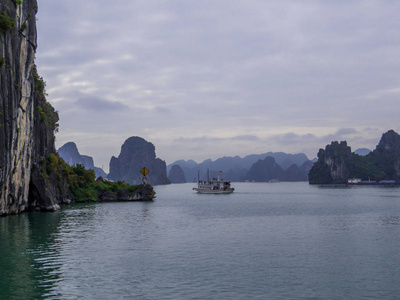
pixel 285 167
pixel 137 153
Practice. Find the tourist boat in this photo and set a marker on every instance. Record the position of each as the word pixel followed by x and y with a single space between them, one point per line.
pixel 214 186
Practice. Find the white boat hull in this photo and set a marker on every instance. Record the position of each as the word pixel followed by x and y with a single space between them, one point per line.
pixel 210 191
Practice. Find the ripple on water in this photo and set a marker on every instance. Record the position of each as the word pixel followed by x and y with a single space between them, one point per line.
pixel 263 242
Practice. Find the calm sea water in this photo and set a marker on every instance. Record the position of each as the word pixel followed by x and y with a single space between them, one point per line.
pixel 265 241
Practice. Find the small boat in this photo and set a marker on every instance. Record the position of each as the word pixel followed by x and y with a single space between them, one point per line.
pixel 214 186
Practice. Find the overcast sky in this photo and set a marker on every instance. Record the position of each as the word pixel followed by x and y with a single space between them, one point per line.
pixel 210 78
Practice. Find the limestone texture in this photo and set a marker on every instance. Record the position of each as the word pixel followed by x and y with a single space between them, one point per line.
pixel 27 121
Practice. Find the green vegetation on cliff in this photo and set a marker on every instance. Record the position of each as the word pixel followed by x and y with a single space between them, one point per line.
pixel 74 180
pixel 320 173
pixel 17 2
pixel 85 188
pixel 368 168
pixel 6 22
pixel 81 182
pixel 48 116
pixel 336 164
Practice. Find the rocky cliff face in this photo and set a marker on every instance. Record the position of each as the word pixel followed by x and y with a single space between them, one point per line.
pixel 333 165
pixel 27 121
pixel 69 152
pixel 336 164
pixel 137 153
pixel 387 155
pixel 17 50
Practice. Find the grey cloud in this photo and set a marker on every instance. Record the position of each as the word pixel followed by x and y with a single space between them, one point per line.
pixel 100 105
pixel 346 131
pixel 246 138
pixel 317 70
pixel 206 139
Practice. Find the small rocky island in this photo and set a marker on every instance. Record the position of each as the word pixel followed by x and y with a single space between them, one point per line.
pixel 143 192
pixel 137 153
pixel 337 164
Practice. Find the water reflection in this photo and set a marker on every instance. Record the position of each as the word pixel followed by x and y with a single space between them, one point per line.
pixel 25 240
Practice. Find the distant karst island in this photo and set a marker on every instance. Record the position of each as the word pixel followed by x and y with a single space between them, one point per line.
pixel 270 166
pixel 136 153
pixel 337 164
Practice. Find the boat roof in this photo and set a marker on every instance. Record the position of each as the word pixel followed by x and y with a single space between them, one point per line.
pixel 220 180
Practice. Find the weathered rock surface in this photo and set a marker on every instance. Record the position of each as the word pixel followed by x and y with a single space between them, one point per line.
pixel 27 121
pixel 17 50
pixel 69 152
pixel 333 165
pixel 137 153
pixel 387 155
pixel 176 174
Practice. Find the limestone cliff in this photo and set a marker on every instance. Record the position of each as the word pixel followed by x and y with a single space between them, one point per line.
pixel 137 153
pixel 387 155
pixel 333 165
pixel 27 121
pixel 336 164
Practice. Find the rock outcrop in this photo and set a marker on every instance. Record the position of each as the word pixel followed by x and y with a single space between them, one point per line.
pixel 387 155
pixel 144 192
pixel 137 153
pixel 27 121
pixel 333 165
pixel 176 174
pixel 17 50
pixel 336 164
pixel 69 152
